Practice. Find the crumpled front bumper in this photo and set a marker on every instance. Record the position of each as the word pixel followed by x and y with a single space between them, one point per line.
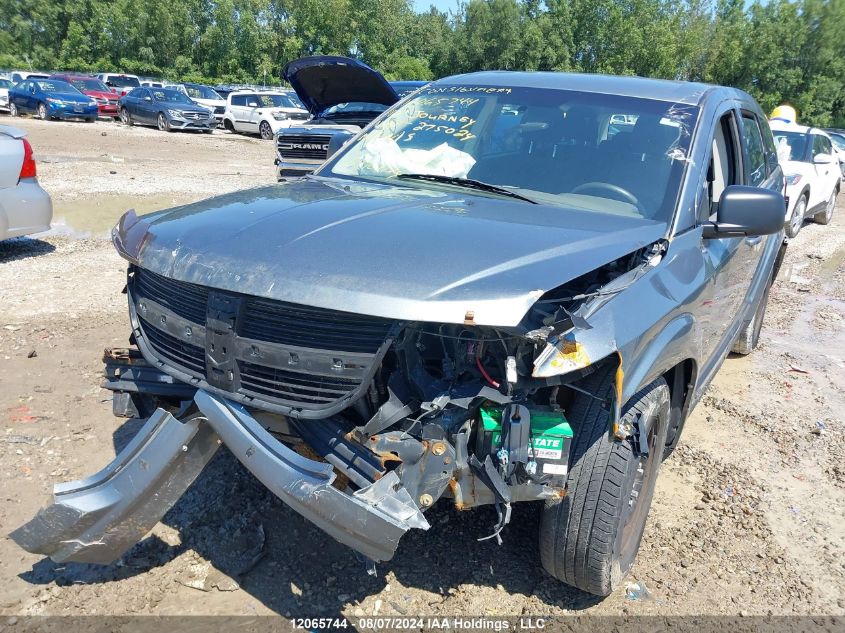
pixel 97 519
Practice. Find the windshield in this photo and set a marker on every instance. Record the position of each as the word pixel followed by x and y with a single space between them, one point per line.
pixel 57 86
pixel 89 84
pixel 277 101
pixel 174 96
pixel 119 81
pixel 596 152
pixel 792 145
pixel 202 92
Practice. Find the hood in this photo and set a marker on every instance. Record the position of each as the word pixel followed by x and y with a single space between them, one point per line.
pixel 394 252
pixel 101 94
pixel 324 81
pixel 69 96
pixel 185 107
pixel 210 102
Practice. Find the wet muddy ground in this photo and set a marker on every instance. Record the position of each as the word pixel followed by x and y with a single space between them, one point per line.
pixel 747 517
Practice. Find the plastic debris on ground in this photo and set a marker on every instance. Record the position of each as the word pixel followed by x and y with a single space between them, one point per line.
pixel 637 591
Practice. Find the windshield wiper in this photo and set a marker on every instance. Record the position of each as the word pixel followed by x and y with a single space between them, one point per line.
pixel 469 183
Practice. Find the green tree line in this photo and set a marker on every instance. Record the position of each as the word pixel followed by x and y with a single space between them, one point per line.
pixel 780 51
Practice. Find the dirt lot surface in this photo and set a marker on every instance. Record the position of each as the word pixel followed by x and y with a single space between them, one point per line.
pixel 747 517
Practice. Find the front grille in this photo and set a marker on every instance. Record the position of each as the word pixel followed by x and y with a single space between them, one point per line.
pixel 300 116
pixel 194 116
pixel 287 356
pixel 302 326
pixel 299 386
pixel 171 349
pixel 311 146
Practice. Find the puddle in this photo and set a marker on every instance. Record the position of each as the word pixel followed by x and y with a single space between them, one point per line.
pixel 98 215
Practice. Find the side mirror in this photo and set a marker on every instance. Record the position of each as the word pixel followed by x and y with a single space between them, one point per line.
pixel 822 159
pixel 252 104
pixel 148 98
pixel 747 212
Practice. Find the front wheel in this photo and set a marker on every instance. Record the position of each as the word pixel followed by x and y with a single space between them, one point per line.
pixel 266 131
pixel 13 110
pixel 163 123
pixel 590 538
pixel 228 126
pixel 824 217
pixel 796 220
pixel 42 112
pixel 126 117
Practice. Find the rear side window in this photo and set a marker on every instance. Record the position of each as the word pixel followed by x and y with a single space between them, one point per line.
pixel 752 144
pixel 239 100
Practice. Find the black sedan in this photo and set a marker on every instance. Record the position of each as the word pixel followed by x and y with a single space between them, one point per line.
pixel 169 110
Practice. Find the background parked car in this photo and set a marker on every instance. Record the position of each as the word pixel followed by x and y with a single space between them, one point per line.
pixel 18 76
pixel 169 110
pixel 837 137
pixel 120 83
pixel 51 99
pixel 404 88
pixel 263 113
pixel 812 173
pixel 96 89
pixel 203 95
pixel 25 208
pixel 5 84
pixel 342 95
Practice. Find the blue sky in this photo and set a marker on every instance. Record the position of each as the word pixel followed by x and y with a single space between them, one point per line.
pixel 442 5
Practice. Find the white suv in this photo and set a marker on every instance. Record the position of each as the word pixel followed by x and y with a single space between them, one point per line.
pixel 812 173
pixel 260 112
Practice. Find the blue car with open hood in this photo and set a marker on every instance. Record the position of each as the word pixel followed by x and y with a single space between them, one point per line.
pixel 51 99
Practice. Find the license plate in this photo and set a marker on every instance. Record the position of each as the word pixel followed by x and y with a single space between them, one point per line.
pixel 77 108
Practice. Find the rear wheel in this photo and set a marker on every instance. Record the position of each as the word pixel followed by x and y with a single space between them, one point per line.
pixel 796 220
pixel 163 123
pixel 589 539
pixel 750 335
pixel 42 112
pixel 266 131
pixel 824 217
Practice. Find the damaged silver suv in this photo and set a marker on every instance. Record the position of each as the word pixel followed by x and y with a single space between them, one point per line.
pixel 511 287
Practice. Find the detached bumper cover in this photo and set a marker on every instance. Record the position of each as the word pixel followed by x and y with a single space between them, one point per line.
pixel 96 520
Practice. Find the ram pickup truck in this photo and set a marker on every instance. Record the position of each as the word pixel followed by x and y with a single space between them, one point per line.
pixel 342 95
pixel 484 299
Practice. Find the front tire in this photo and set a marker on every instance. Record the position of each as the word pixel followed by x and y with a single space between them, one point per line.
pixel 265 131
pixel 824 217
pixel 228 125
pixel 163 123
pixel 42 112
pixel 13 110
pixel 590 538
pixel 796 220
pixel 126 117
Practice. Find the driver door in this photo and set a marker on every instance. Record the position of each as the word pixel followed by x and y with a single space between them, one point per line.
pixel 144 105
pixel 253 104
pixel 724 259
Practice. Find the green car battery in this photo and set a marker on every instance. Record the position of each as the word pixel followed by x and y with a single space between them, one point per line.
pixel 551 438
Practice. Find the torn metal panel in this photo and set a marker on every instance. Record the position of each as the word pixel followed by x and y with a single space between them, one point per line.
pixel 97 519
pixel 370 521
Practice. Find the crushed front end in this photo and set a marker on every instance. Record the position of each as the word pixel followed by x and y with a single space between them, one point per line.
pixel 358 423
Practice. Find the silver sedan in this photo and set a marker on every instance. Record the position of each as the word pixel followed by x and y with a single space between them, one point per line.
pixel 25 207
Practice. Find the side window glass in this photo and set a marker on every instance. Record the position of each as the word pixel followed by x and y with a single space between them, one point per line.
pixel 722 169
pixel 818 145
pixel 239 100
pixel 827 147
pixel 752 141
pixel 769 146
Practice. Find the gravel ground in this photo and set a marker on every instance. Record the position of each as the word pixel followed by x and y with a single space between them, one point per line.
pixel 747 517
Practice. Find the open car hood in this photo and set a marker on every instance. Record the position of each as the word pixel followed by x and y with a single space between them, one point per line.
pixel 324 81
